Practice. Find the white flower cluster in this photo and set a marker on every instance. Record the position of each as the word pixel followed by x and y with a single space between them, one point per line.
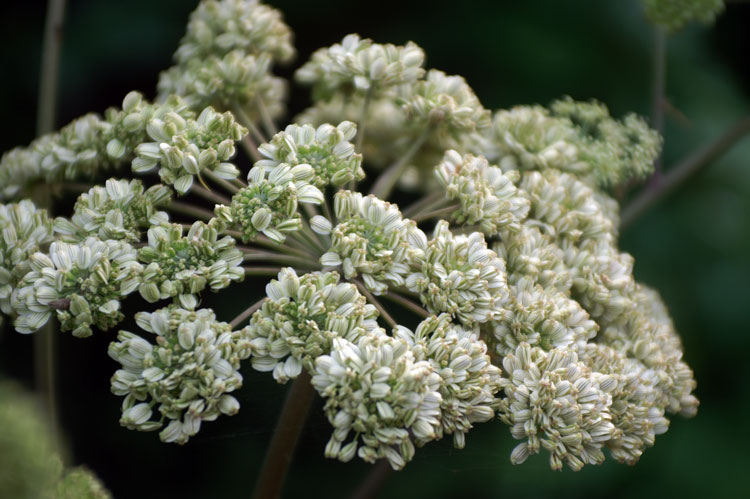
pixel 359 65
pixel 24 230
pixel 188 374
pixel 119 210
pixel 183 266
pixel 326 149
pixel 458 275
pixel 85 147
pixel 226 56
pixel 300 319
pixel 487 196
pixel 269 202
pixel 371 240
pixel 184 148
pixel 82 283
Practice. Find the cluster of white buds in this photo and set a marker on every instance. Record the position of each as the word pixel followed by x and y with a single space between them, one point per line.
pixel 458 275
pixel 269 203
pixel 469 381
pixel 326 149
pixel 486 195
pixel 371 240
pixel 24 230
pixel 188 374
pixel 358 65
pixel 300 319
pixel 119 210
pixel 185 148
pixel 378 398
pixel 82 283
pixel 181 266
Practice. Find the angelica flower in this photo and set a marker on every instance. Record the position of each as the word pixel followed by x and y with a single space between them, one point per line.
pixel 469 381
pixel 269 203
pixel 553 401
pixel 371 240
pixel 81 283
pixel 119 210
pixel 379 399
pixel 184 148
pixel 188 373
pixel 178 266
pixel 24 230
pixel 300 319
pixel 327 150
pixel 486 195
pixel 457 274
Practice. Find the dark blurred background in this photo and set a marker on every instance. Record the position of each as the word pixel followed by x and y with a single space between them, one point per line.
pixel 694 247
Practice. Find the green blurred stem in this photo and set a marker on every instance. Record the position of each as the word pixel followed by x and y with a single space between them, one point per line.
pixel 251 148
pixel 285 437
pixel 436 213
pixel 658 85
pixel 688 167
pixel 44 341
pixel 265 116
pixel 226 184
pixel 255 255
pixel 209 195
pixel 262 271
pixel 387 180
pixel 245 120
pixel 363 121
pixel 424 203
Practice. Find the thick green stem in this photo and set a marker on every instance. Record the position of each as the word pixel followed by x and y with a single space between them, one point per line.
pixel 387 180
pixel 266 119
pixel 363 121
pixel 435 213
pixel 285 437
pixel 262 256
pixel 209 195
pixel 251 148
pixel 245 120
pixel 684 170
pixel 407 304
pixel 262 271
pixel 226 184
pixel 423 202
pixel 190 210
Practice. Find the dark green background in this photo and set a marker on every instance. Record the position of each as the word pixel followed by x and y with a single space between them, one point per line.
pixel 694 247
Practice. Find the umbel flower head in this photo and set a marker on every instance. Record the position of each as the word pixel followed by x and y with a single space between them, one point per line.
pixel 269 203
pixel 675 14
pixel 185 148
pixel 235 81
pixel 555 402
pixel 181 266
pixel 469 381
pixel 486 195
pixel 82 283
pixel 379 399
pixel 371 240
pixel 457 274
pixel 218 27
pixel 119 210
pixel 186 375
pixel 24 230
pixel 300 319
pixel 358 65
pixel 326 149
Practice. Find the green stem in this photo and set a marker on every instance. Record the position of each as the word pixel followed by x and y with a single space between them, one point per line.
pixel 281 259
pixel 285 437
pixel 265 117
pixel 688 167
pixel 371 298
pixel 422 203
pixel 262 271
pixel 262 240
pixel 374 481
pixel 209 195
pixel 251 148
pixel 247 313
pixel 246 121
pixel 363 121
pixel 226 184
pixel 387 180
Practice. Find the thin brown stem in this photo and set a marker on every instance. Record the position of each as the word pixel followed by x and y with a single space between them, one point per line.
pixel 371 298
pixel 247 313
pixel 285 437
pixel 407 304
pixel 190 210
pixel 374 481
pixel 251 148
pixel 688 167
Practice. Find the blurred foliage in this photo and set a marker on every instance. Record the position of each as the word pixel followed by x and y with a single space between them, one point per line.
pixel 694 247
